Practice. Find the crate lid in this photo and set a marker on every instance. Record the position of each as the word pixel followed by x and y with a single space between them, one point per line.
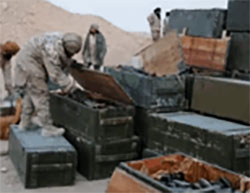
pixel 102 84
pixel 204 122
pixel 33 140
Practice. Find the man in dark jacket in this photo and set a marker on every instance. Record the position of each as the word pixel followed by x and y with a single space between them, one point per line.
pixel 95 48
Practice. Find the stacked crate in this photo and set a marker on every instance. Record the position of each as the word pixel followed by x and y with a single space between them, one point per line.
pixel 150 94
pixel 219 125
pixel 218 107
pixel 205 49
pixel 102 131
pixel 158 82
pixel 211 20
pixel 238 24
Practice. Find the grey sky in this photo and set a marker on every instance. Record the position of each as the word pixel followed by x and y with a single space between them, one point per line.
pixel 131 15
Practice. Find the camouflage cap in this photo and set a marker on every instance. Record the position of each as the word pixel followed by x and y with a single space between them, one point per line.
pixel 72 43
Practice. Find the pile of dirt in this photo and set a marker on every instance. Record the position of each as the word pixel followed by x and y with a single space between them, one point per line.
pixel 20 20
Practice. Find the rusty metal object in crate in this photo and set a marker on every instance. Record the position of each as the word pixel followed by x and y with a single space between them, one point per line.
pixel 143 175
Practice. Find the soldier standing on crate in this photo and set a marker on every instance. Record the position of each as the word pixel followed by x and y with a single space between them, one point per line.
pixel 44 57
pixel 154 20
pixel 165 24
pixel 95 48
pixel 7 50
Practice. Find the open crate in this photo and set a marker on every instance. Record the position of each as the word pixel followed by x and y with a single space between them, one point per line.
pixel 143 175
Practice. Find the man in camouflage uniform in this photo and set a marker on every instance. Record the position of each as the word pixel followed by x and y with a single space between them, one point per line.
pixel 154 20
pixel 94 48
pixel 7 50
pixel 41 58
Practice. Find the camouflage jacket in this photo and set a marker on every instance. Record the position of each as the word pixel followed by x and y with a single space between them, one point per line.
pixel 43 57
pixel 100 51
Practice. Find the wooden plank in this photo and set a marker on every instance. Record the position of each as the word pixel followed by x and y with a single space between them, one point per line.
pixel 205 53
pixel 164 56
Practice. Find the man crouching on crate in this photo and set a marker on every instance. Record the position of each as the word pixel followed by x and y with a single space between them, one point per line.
pixel 44 57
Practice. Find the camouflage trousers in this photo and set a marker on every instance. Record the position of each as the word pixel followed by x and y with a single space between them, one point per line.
pixel 156 35
pixel 36 103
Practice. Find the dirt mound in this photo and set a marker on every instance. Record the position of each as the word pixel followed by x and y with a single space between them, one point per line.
pixel 20 20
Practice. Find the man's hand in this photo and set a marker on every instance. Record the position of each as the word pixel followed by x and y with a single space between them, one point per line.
pixel 58 91
pixel 78 86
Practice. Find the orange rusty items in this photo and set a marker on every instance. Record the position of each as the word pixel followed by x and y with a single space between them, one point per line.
pixel 192 169
pixel 6 121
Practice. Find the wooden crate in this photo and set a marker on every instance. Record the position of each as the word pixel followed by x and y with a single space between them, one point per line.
pixel 205 53
pixel 141 175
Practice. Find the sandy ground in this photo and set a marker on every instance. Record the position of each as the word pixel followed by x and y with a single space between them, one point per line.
pixel 10 182
pixel 22 19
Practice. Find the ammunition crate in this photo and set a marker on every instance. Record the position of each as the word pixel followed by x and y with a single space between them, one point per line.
pixel 151 92
pixel 157 175
pixel 238 17
pixel 97 161
pixel 103 137
pixel 222 97
pixel 239 52
pixel 217 141
pixel 111 122
pixel 42 161
pixel 215 20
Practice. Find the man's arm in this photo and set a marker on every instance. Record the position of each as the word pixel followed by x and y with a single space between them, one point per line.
pixel 150 19
pixel 53 66
pixel 104 47
pixel 85 51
